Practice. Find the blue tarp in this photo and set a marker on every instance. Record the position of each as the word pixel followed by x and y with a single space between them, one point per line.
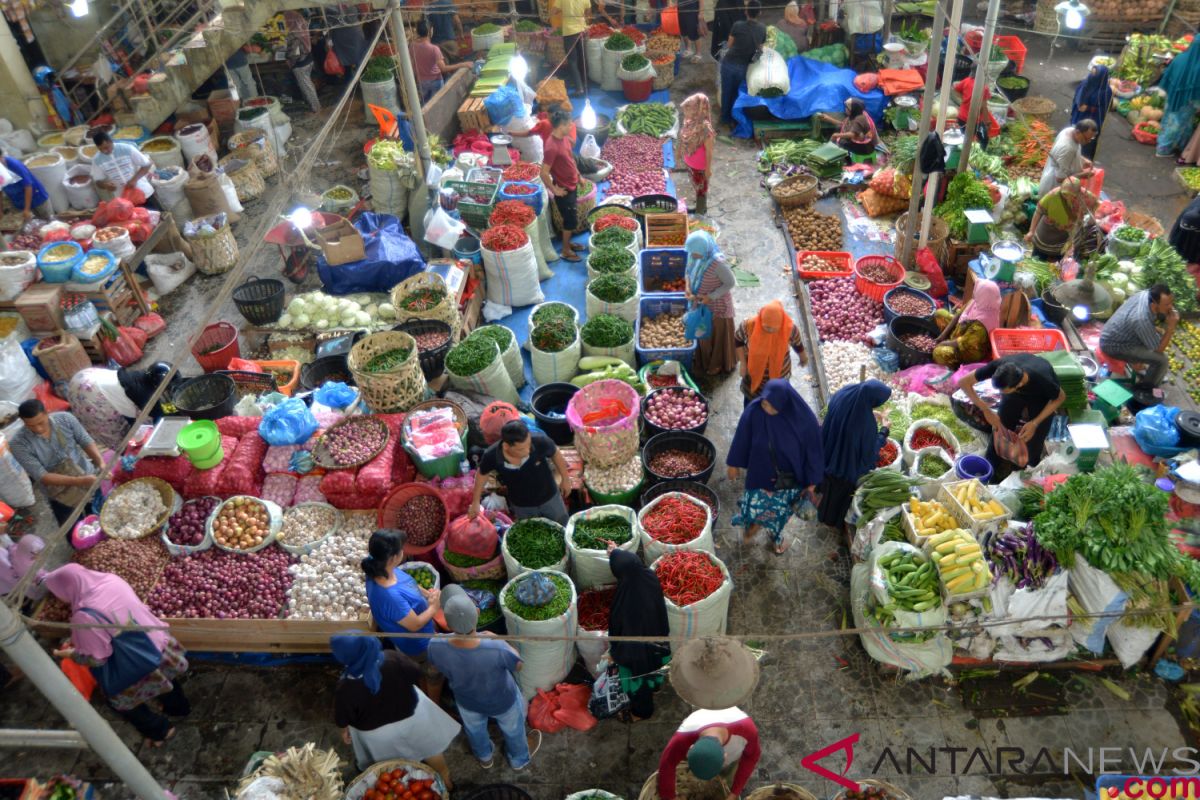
pixel 816 87
pixel 391 257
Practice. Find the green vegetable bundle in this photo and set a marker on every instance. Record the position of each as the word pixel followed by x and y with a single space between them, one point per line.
pixel 611 260
pixel 536 543
pixel 388 361
pixel 502 336
pixel 589 534
pixel 607 330
pixel 1161 263
pixel 635 62
pixel 963 193
pixel 555 608
pixel 785 152
pixel 616 236
pixel 379 69
pixel 389 155
pixel 554 336
pixel 486 29
pixel 471 356
pixel 619 43
pixel 652 119
pixel 527 26
pixel 612 288
pixel 550 312
pixel 904 153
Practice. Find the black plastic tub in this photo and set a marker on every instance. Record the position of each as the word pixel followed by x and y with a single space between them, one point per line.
pixel 211 397
pixel 1054 311
pixel 433 361
pixel 679 440
pixel 651 429
pixel 324 369
pixel 900 326
pixel 549 403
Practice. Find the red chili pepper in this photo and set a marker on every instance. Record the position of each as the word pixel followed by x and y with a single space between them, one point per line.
pixel 633 33
pixel 688 577
pixel 519 188
pixel 924 437
pixel 594 607
pixel 887 454
pixel 504 237
pixel 609 220
pixel 512 212
pixel 522 171
pixel 675 520
pixel 598 31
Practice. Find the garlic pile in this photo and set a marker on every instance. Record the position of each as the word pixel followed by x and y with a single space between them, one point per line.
pixel 842 362
pixel 613 480
pixel 131 513
pixel 328 583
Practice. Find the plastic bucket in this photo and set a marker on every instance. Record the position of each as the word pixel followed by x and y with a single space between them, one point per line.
pixel 637 91
pixel 549 396
pixel 217 346
pixel 972 466
pixel 468 248
pixel 199 440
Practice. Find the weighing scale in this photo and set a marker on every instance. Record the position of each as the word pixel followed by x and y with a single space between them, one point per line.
pixel 905 115
pixel 1001 263
pixel 1089 439
pixel 500 143
pixel 952 141
pixel 977 221
pixel 162 438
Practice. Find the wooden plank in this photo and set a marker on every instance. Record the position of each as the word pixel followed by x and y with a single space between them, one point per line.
pixel 258 635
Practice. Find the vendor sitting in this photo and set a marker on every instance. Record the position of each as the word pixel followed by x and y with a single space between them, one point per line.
pixel 1131 334
pixel 1031 396
pixel 521 462
pixel 966 88
pixel 1058 214
pixel 857 131
pixel 967 335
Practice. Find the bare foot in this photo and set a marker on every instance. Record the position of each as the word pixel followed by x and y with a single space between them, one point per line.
pixel 750 533
pixel 157 744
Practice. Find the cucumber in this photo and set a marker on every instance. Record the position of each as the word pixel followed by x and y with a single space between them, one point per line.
pixel 590 363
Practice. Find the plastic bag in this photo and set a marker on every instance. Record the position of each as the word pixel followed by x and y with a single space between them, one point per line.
pixel 335 394
pixel 1156 426
pixel 290 422
pixel 332 65
pixel 442 229
pixel 123 349
pixel 541 713
pixel 607 698
pixel 535 590
pixel 504 104
pixel 698 322
pixel 472 537
pixel 589 148
pixel 152 324
pixel 17 376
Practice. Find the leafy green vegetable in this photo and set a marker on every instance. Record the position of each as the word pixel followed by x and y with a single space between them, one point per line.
pixel 527 26
pixel 462 561
pixel 611 259
pixel 554 336
pixel 904 153
pixel 613 288
pixel 485 29
pixel 589 534
pixel 635 62
pixel 787 152
pixel 963 193
pixel 923 409
pixel 618 43
pixel 607 330
pixel 502 336
pixel 1161 263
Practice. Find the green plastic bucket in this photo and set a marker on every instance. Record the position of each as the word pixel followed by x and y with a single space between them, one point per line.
pixel 626 498
pixel 199 440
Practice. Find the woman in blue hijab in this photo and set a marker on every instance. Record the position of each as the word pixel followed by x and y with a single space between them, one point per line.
pixel 381 711
pixel 709 282
pixel 1181 82
pixel 778 444
pixel 851 438
pixel 1092 100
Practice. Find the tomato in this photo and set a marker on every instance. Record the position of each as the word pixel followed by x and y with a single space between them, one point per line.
pixel 427 794
pixel 371 795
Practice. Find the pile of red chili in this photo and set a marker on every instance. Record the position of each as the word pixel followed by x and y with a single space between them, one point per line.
pixel 609 220
pixel 598 31
pixel 522 171
pixel 504 237
pixel 593 608
pixel 688 577
pixel 675 520
pixel 633 33
pixel 887 454
pixel 924 437
pixel 512 212
pixel 519 188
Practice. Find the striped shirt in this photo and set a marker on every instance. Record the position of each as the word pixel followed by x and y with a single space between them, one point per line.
pixel 741 338
pixel 1131 326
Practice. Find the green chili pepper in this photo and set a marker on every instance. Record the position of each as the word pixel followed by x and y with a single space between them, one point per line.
pixel 553 311
pixel 611 259
pixel 554 336
pixel 589 534
pixel 470 356
pixel 607 330
pixel 536 543
pixel 613 288
pixel 555 608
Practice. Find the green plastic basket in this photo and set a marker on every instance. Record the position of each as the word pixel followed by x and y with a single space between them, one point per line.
pixel 626 498
pixel 448 466
pixel 477 215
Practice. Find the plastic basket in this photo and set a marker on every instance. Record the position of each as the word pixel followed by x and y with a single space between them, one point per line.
pixel 210 396
pixel 58 271
pixel 868 287
pixel 625 498
pixel 1014 48
pixel 286 373
pixel 889 315
pixel 79 276
pixel 651 307
pixel 433 361
pixel 1006 341
pixel 326 368
pixel 697 490
pixel 390 506
pixel 910 356
pixel 661 264
pixel 216 346
pixel 1143 133
pixel 259 300
pixel 488 176
pixel 477 215
pixel 844 261
pixel 611 437
pixel 532 199
pixel 250 383
pixel 680 440
pixel 653 429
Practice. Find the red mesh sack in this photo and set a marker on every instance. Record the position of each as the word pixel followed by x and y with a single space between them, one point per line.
pixel 375 477
pixel 403 470
pixel 140 214
pixel 354 501
pixel 308 490
pixel 120 209
pixel 174 471
pixel 102 217
pixel 279 489
pixel 244 470
pixel 56 235
pixel 472 537
pixel 456 493
pixel 203 482
pixel 237 426
pixel 44 391
pixel 339 481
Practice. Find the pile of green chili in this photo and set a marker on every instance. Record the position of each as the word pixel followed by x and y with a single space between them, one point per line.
pixel 553 337
pixel 470 356
pixel 613 287
pixel 555 608
pixel 536 543
pixel 611 260
pixel 589 534
pixel 550 312
pixel 607 330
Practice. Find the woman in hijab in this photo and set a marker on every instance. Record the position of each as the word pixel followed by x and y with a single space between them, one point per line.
pixel 637 609
pixel 698 140
pixel 857 132
pixel 852 439
pixel 709 281
pixel 98 598
pixel 966 338
pixel 381 711
pixel 1058 214
pixel 1092 99
pixel 764 344
pixel 795 24
pixel 777 443
pixel 1181 82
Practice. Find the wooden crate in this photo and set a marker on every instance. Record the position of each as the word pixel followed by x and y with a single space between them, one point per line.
pixel 666 230
pixel 117 295
pixel 959 255
pixel 473 115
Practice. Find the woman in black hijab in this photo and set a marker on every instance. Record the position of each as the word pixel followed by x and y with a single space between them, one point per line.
pixel 638 609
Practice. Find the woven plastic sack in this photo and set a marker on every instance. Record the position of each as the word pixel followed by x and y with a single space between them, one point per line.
pixel 936 427
pixel 590 567
pixel 491 381
pixel 512 276
pixel 707 617
pixel 515 569
pixel 652 549
pixel 556 367
pixel 472 537
pixel 546 663
pixel 610 441
pixel 768 76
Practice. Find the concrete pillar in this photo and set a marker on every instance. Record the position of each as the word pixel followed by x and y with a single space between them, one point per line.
pixel 20 80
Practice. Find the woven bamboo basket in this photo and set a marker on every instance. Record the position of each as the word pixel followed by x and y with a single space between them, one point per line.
pixel 1034 107
pixel 664 68
pixel 1149 224
pixel 531 41
pixel 796 191
pixel 215 255
pixel 896 792
pixel 939 235
pixel 358 787
pixel 663 50
pixel 259 145
pixel 165 492
pixel 445 311
pixel 247 180
pixel 784 791
pixel 394 391
pixel 555 50
pixel 1045 18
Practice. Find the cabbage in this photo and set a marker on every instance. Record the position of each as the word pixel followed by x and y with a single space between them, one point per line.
pixel 362 318
pixel 387 311
pixel 349 320
pixel 298 306
pixel 301 320
pixel 371 310
pixel 285 321
pixel 321 324
pixel 1118 296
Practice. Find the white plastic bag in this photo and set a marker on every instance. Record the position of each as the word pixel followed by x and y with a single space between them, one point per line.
pixel 442 229
pixel 512 277
pixel 168 272
pixel 589 148
pixel 590 567
pixel 706 617
pixel 17 376
pixel 652 548
pixel 230 192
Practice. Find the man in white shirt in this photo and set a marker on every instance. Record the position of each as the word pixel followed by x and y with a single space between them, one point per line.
pixel 1066 156
pixel 118 165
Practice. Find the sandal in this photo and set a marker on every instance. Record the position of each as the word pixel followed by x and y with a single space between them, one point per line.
pixel 574 259
pixel 782 547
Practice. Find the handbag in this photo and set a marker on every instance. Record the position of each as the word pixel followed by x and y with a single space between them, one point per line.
pixel 133 657
pixel 784 479
pixel 607 698
pixel 66 495
pixel 1010 447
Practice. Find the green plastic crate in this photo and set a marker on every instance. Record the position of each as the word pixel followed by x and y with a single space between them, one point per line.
pixel 474 214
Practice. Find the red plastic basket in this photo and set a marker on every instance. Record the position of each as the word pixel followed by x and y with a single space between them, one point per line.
pixel 1007 341
pixel 868 287
pixel 216 347
pixel 1014 48
pixel 1141 134
pixel 844 261
pixel 395 499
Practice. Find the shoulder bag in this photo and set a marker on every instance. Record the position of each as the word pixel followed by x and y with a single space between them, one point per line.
pixel 133 657
pixel 67 495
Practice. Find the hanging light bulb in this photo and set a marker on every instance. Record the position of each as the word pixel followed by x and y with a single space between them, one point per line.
pixel 1081 313
pixel 587 118
pixel 518 67
pixel 79 8
pixel 1071 14
pixel 302 218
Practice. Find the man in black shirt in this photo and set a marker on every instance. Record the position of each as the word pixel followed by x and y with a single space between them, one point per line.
pixel 1031 396
pixel 746 40
pixel 521 462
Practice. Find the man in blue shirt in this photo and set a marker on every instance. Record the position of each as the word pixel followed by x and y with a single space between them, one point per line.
pixel 443 24
pixel 26 193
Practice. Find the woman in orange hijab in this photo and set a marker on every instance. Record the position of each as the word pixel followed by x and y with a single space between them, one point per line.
pixel 763 343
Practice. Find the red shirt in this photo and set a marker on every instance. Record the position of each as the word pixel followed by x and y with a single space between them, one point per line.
pixel 742 747
pixel 542 129
pixel 558 156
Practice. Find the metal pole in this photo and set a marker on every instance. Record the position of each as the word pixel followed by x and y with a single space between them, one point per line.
pixel 41 670
pixel 985 51
pixel 935 53
pixel 33 737
pixel 943 104
pixel 420 139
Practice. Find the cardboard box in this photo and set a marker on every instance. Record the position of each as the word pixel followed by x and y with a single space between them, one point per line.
pixel 341 243
pixel 40 307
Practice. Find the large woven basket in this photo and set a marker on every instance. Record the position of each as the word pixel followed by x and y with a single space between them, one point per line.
pixel 893 790
pixel 357 788
pixel 939 235
pixel 555 51
pixel 164 491
pixel 783 791
pixel 664 68
pixel 796 191
pixel 257 144
pixel 215 255
pixel 493 570
pixel 666 49
pixel 246 179
pixel 394 391
pixel 531 41
pixel 1149 224
pixel 323 458
pixel 445 311
pixel 1034 107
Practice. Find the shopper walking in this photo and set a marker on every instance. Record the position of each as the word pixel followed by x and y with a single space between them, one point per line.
pixel 26 192
pixel 52 449
pixel 346 34
pixel 238 67
pixel 1066 156
pixel 521 461
pixel 136 666
pixel 714 743
pixel 1092 100
pixel 1058 215
pixel 851 439
pixel 709 281
pixel 299 56
pixel 967 336
pixel 746 39
pixel 637 609
pixel 778 444
pixel 691 28
pixel 1181 82
pixel 765 344
pixel 482 671
pixel 382 712
pixel 698 140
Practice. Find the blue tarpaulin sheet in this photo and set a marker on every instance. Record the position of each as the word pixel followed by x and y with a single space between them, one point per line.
pixel 816 87
pixel 391 257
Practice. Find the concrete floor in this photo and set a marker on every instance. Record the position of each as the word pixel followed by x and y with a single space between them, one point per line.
pixel 816 689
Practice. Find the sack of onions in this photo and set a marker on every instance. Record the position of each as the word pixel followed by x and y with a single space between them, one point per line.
pixel 245 524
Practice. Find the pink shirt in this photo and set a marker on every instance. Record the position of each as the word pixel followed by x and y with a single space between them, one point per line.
pixel 425 57
pixel 698 158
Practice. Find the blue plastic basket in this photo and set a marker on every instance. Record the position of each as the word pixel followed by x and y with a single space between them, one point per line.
pixel 662 264
pixel 58 271
pixel 649 308
pixel 533 199
pixel 79 276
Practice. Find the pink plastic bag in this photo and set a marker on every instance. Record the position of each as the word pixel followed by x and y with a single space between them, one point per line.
pixel 472 537
pixel 917 379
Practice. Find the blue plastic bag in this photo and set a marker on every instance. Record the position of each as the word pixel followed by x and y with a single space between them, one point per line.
pixel 1156 426
pixel 503 104
pixel 290 422
pixel 335 394
pixel 698 322
pixel 390 258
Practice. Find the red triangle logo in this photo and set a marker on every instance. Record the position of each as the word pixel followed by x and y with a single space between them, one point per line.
pixel 809 762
